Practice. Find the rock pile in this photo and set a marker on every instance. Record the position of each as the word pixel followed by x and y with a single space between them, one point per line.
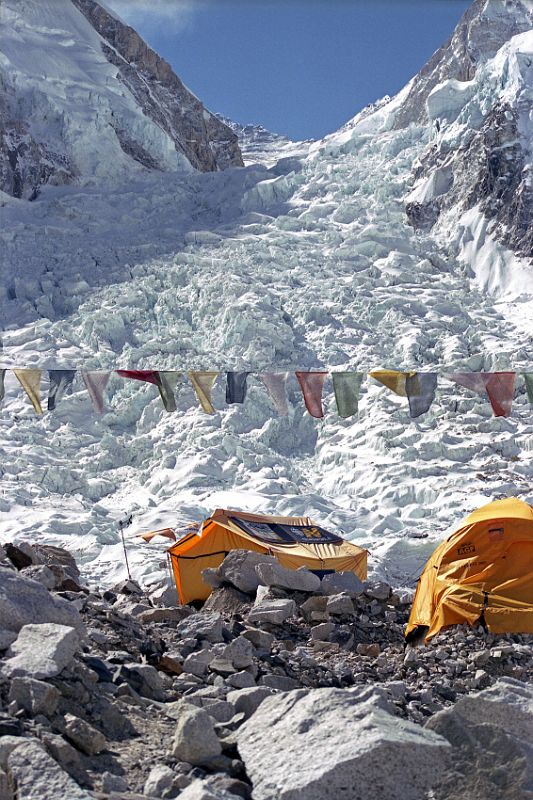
pixel 282 686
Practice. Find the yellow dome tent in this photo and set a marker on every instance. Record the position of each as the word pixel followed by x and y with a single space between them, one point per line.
pixel 294 541
pixel 483 571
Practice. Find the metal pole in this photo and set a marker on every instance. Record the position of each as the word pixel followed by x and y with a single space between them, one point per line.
pixel 122 524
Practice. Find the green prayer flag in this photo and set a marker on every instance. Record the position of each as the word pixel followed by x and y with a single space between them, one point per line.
pixel 528 378
pixel 346 386
pixel 167 387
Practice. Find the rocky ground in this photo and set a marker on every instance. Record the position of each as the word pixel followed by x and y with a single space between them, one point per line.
pixel 281 686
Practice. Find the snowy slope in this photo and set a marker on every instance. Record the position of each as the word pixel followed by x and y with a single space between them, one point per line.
pixel 83 99
pixel 312 263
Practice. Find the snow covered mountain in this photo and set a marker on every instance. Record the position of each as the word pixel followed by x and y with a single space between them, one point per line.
pixel 84 99
pixel 311 262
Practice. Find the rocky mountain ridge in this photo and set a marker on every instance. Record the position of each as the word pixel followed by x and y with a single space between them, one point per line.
pixel 84 99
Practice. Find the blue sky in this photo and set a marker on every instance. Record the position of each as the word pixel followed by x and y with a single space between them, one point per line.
pixel 298 67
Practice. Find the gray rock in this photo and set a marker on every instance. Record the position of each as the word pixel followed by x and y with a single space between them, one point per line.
pixel 171 615
pixel 195 739
pixel 6 639
pixel 38 777
pixel 41 574
pixel 240 652
pixel 262 640
pixel 247 701
pixel 113 783
pixel 165 596
pixel 202 626
pixel 7 744
pixel 323 631
pixel 83 736
pixel 315 608
pixel 197 663
pixel 241 680
pixel 274 612
pixel 281 683
pixel 378 590
pixel 35 697
pixel 151 681
pixel 492 737
pixel 42 651
pixel 227 600
pixel 160 782
pixel 205 790
pixel 346 582
pixel 296 580
pixel 239 569
pixel 382 757
pixel 5 789
pixel 341 604
pixel 23 601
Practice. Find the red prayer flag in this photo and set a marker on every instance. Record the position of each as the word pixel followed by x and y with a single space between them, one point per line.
pixel 311 384
pixel 150 375
pixel 500 389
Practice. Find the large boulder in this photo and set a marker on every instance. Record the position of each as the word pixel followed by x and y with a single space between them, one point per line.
pixel 492 736
pixel 274 612
pixel 239 569
pixel 41 651
pixel 195 739
pixel 202 626
pixel 24 601
pixel 296 580
pixel 329 743
pixel 34 697
pixel 38 777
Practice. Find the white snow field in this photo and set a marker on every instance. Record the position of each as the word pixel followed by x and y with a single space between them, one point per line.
pixel 308 264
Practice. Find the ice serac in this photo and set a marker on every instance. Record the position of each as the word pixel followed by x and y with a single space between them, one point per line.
pixel 84 99
pixel 476 94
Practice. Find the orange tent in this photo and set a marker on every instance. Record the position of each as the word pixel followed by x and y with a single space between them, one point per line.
pixel 483 571
pixel 294 541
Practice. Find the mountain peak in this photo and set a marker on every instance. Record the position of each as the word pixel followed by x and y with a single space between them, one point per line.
pixel 85 99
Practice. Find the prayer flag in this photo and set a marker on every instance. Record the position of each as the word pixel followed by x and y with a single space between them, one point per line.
pixel 499 387
pixel 149 375
pixel 236 387
pixel 202 383
pixel 168 533
pixel 96 383
pixel 392 379
pixel 2 387
pixel 276 386
pixel 30 380
pixel 167 388
pixel 311 384
pixel 420 388
pixel 346 386
pixel 60 381
pixel 528 378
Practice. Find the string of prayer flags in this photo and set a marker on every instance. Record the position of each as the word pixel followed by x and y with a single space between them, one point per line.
pixel 95 383
pixel 236 387
pixel 2 385
pixel 311 384
pixel 60 382
pixel 420 389
pixel 528 379
pixel 30 380
pixel 203 383
pixel 346 386
pixel 499 387
pixel 276 386
pixel 167 533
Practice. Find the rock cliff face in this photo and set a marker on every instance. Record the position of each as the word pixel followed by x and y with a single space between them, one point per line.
pixel 83 98
pixel 477 92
